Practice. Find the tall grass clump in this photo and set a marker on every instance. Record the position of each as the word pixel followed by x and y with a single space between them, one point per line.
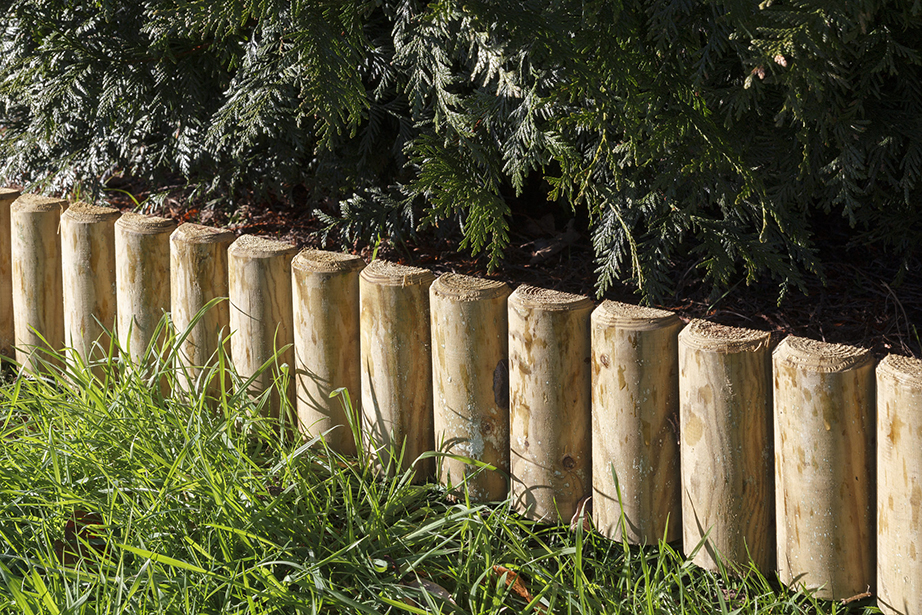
pixel 116 498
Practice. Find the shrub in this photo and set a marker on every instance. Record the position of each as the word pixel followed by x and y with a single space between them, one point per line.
pixel 718 127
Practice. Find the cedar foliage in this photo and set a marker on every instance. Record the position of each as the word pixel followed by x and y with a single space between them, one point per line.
pixel 719 127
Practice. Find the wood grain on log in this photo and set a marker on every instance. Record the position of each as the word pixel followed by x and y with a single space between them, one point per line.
pixel 550 419
pixel 824 466
pixel 325 295
pixel 397 364
pixel 470 381
pixel 635 413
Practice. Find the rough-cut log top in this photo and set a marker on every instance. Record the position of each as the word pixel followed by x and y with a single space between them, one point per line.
pixel 706 335
pixel 145 225
pixel 819 356
pixel 34 203
pixel 633 317
pixel 387 273
pixel 904 370
pixel 549 300
pixel 321 261
pixel 457 287
pixel 8 194
pixel 84 213
pixel 196 233
pixel 253 246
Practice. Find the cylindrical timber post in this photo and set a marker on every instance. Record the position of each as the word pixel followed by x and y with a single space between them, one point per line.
pixel 7 331
pixel 635 414
pixel 550 414
pixel 198 275
pixel 397 364
pixel 824 466
pixel 88 269
pixel 142 273
pixel 470 379
pixel 259 274
pixel 38 303
pixel 725 410
pixel 325 298
pixel 899 485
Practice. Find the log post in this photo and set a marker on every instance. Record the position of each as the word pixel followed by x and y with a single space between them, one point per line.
pixel 198 274
pixel 259 286
pixel 824 466
pixel 550 419
pixel 635 414
pixel 88 269
pixel 7 328
pixel 142 273
pixel 397 364
pixel 899 485
pixel 38 304
pixel 325 296
pixel 470 379
pixel 726 445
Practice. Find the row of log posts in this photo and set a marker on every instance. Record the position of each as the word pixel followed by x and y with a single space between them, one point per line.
pixel 777 448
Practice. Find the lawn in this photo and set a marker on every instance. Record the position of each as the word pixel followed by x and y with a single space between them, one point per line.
pixel 115 499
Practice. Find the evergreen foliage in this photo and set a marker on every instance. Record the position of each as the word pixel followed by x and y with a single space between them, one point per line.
pixel 719 127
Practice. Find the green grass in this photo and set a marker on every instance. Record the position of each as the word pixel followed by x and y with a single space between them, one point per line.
pixel 116 500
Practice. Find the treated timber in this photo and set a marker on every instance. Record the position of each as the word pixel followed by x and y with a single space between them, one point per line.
pixel 397 365
pixel 198 275
pixel 88 270
pixel 325 296
pixel 550 418
pixel 7 327
pixel 471 383
pixel 726 446
pixel 38 303
pixel 824 466
pixel 142 274
pixel 259 287
pixel 899 485
pixel 635 413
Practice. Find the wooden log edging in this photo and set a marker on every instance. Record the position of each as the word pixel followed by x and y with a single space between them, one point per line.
pixel 549 402
pixel 726 445
pixel 635 408
pixel 38 302
pixel 325 295
pixel 470 380
pixel 824 466
pixel 397 365
pixel 259 287
pixel 88 272
pixel 7 325
pixel 899 485
pixel 198 275
pixel 142 274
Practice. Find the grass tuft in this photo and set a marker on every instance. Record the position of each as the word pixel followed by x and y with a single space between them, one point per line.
pixel 116 498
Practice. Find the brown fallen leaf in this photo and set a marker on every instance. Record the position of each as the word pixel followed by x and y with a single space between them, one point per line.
pixel 517 586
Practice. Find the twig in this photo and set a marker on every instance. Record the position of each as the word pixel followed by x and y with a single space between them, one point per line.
pixel 857 597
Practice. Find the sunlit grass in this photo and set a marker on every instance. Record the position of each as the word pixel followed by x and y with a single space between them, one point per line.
pixel 114 499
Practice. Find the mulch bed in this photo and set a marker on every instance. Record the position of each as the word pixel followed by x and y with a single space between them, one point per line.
pixel 859 304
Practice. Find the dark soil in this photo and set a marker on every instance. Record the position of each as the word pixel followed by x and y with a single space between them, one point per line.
pixel 863 302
